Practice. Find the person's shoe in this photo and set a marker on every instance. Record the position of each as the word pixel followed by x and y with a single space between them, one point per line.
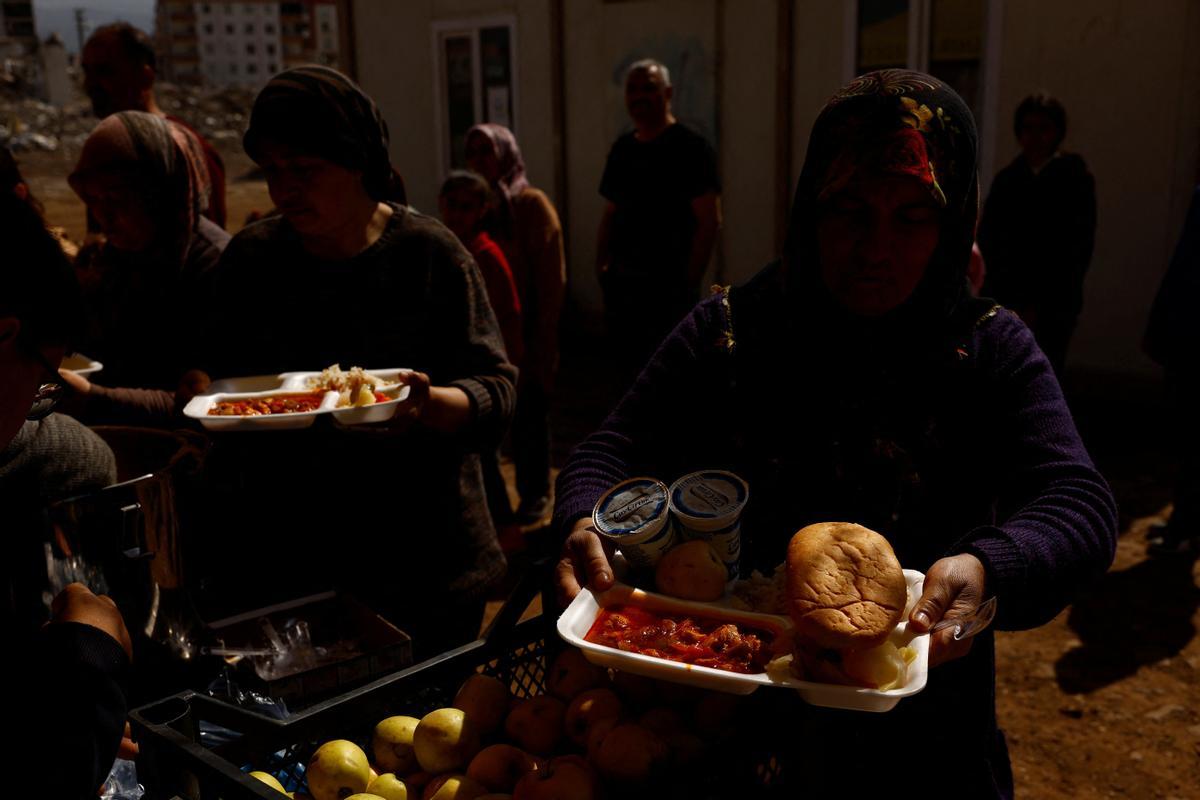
pixel 532 511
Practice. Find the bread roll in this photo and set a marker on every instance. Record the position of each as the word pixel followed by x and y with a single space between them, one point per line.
pixel 845 588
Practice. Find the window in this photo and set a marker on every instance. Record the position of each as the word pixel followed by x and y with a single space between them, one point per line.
pixel 271 50
pixel 208 28
pixel 268 28
pixel 229 28
pixel 477 80
pixel 249 8
pixel 249 27
pixel 942 37
pixel 205 8
pixel 252 69
pixel 273 68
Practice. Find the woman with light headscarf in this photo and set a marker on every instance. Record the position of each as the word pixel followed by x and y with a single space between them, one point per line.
pixel 527 228
pixel 857 379
pixel 143 180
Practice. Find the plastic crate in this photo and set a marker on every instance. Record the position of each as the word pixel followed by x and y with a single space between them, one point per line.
pixel 175 764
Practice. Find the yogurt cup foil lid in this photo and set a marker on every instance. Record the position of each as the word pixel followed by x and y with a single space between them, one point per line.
pixel 712 494
pixel 630 506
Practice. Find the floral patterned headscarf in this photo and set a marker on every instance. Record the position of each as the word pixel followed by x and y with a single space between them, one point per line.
pixel 897 123
pixel 512 180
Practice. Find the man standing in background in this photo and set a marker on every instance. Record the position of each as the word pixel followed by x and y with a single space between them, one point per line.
pixel 660 222
pixel 119 68
pixel 1038 228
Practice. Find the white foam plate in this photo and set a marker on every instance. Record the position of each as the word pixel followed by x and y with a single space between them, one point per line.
pixel 80 364
pixel 578 618
pixel 288 383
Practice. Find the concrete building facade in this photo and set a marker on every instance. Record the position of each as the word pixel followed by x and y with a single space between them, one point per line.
pixel 753 75
pixel 244 44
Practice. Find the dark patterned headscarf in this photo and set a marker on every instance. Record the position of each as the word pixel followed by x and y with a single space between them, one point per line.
pixel 318 110
pixel 512 180
pixel 897 123
pixel 169 162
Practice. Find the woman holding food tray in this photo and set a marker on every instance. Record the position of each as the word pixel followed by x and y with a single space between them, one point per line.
pixel 857 380
pixel 394 513
pixel 144 182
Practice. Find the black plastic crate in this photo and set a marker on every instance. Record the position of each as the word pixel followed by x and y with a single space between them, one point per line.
pixel 174 762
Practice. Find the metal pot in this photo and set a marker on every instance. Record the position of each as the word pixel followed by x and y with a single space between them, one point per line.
pixel 129 539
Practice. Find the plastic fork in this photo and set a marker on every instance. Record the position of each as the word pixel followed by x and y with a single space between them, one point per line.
pixel 970 623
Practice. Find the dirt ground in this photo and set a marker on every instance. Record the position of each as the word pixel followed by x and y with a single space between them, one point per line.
pixel 1104 701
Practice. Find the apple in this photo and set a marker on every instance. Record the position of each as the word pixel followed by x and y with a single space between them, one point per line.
pixel 452 787
pixel 686 748
pixel 571 674
pixel 630 753
pixel 564 778
pixel 484 699
pixel 499 766
pixel 392 744
pixel 269 780
pixel 389 787
pixel 536 724
pixel 592 705
pixel 338 768
pixel 416 782
pixel 637 690
pixel 716 713
pixel 364 796
pixel 663 721
pixel 445 740
pixel 596 734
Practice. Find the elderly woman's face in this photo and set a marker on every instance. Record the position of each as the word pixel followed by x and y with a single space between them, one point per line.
pixel 875 239
pixel 310 191
pixel 116 200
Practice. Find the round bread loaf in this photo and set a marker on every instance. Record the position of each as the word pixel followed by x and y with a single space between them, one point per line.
pixel 845 588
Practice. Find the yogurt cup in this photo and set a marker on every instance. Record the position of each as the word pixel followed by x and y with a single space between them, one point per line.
pixel 634 515
pixel 708 505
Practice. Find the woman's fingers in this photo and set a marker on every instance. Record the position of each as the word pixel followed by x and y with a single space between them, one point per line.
pixel 584 562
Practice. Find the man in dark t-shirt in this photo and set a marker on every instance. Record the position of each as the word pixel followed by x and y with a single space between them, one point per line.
pixel 660 222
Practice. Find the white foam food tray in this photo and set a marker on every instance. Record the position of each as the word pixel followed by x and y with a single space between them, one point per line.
pixel 233 389
pixel 80 364
pixel 578 618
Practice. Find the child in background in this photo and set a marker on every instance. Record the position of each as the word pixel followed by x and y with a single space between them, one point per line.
pixel 463 202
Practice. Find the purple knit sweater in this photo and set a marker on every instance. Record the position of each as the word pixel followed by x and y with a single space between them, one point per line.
pixel 972 450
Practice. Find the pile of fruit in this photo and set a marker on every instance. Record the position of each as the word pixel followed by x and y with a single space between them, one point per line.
pixel 591 735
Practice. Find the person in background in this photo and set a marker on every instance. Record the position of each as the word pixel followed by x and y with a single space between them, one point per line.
pixel 464 202
pixel 395 513
pixel 142 179
pixel 526 226
pixel 1173 340
pixel 76 667
pixel 660 220
pixel 1038 228
pixel 848 382
pixel 119 69
pixel 11 181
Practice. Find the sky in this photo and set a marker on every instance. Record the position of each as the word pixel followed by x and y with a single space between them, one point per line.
pixel 59 16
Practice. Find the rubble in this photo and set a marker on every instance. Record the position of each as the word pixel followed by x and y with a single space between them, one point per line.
pixel 29 124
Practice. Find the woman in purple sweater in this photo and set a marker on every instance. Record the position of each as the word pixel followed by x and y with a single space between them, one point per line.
pixel 858 380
